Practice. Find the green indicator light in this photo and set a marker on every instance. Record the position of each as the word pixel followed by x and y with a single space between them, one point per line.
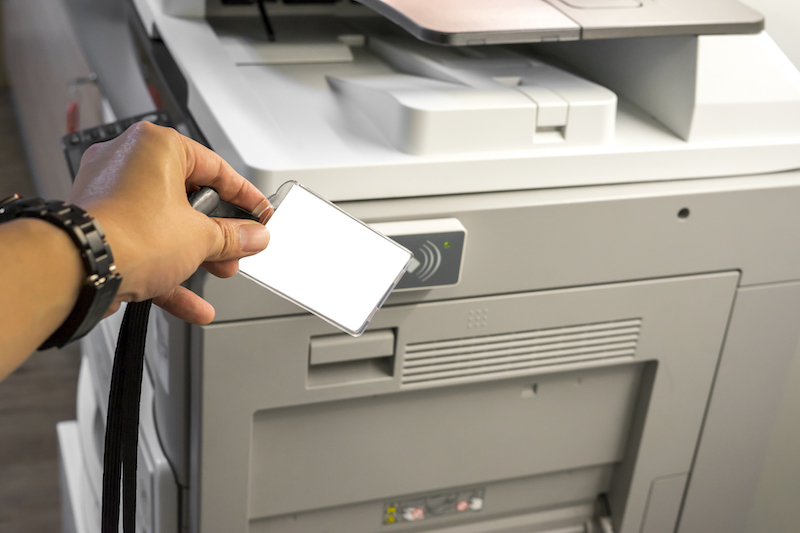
pixel 447 244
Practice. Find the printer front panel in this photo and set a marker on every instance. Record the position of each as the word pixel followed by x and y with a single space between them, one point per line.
pixel 536 240
pixel 264 361
pixel 533 394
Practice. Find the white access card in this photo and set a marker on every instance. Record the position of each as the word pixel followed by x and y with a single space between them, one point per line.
pixel 326 261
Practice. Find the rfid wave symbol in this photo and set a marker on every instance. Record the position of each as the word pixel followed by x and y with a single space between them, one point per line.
pixel 431 260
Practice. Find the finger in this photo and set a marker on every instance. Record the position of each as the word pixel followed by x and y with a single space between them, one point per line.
pixel 206 168
pixel 236 238
pixel 222 269
pixel 186 305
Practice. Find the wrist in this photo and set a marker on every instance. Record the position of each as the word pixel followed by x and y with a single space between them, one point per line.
pixel 56 259
pixel 100 281
pixel 121 243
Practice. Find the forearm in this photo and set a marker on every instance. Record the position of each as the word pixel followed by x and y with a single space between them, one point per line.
pixel 135 186
pixel 41 274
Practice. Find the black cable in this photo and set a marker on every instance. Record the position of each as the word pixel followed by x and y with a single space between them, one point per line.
pixel 265 19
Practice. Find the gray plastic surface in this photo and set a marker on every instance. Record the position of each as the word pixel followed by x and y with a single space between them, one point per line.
pixel 475 22
pixel 759 349
pixel 331 452
pixel 327 349
pixel 584 236
pixel 635 232
pixel 158 491
pixel 511 21
pixel 171 406
pixel 572 486
pixel 255 413
pixel 664 504
pixel 563 519
pixel 70 471
pixel 669 17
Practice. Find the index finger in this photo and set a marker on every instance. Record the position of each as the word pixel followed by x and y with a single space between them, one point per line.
pixel 205 168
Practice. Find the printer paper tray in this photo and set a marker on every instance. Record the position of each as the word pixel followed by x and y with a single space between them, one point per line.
pixel 443 438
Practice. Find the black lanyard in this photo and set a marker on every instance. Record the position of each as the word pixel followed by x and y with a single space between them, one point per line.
pixel 122 423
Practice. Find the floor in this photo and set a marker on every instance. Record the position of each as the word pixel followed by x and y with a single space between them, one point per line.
pixel 35 397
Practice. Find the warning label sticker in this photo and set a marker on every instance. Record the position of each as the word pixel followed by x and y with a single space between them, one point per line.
pixel 451 503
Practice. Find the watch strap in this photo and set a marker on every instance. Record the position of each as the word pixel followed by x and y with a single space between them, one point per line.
pixel 102 282
pixel 11 207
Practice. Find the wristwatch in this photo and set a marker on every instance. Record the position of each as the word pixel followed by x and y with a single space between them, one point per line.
pixel 102 281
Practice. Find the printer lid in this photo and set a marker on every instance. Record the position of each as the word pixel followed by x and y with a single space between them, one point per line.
pixel 477 22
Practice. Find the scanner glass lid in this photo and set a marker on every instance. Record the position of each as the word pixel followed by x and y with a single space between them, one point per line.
pixel 477 22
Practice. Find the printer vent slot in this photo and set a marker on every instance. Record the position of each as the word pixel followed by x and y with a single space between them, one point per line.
pixel 518 352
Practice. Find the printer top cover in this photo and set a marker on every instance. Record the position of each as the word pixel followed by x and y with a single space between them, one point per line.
pixel 355 107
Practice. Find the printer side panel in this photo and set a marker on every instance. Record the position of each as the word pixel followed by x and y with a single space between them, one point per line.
pixel 759 348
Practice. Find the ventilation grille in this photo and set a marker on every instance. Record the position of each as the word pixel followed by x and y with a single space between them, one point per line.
pixel 519 352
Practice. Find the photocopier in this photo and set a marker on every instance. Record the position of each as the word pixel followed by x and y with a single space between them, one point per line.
pixel 604 196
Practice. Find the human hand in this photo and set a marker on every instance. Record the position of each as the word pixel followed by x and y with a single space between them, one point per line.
pixel 136 187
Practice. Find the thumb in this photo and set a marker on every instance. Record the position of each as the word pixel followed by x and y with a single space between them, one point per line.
pixel 237 238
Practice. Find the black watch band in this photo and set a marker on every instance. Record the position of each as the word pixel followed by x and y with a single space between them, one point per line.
pixel 102 282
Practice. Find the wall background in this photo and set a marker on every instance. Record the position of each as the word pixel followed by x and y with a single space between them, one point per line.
pixel 3 79
pixel 35 397
pixel 36 47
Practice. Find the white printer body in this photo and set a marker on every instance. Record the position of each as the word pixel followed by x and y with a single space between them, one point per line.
pixel 609 299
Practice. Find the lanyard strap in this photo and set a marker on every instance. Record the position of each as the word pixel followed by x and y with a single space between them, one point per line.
pixel 122 423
